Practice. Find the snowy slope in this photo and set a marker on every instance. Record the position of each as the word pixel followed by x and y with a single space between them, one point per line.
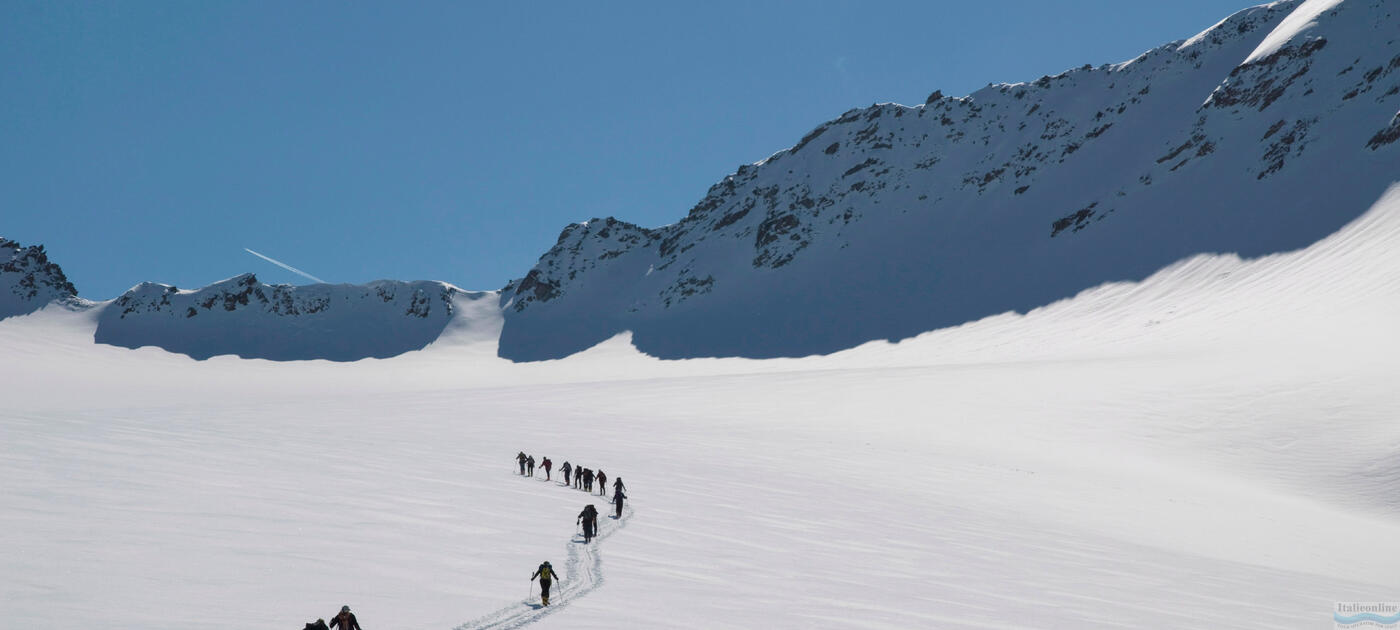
pixel 1212 447
pixel 1262 134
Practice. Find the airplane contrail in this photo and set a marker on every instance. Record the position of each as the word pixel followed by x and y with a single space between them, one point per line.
pixel 285 266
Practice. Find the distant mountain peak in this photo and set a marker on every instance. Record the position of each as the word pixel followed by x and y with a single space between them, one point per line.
pixel 29 280
pixel 246 317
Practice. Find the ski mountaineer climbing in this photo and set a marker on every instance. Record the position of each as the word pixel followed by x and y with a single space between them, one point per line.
pixel 546 465
pixel 602 484
pixel 530 465
pixel 546 575
pixel 345 620
pixel 589 518
pixel 566 470
pixel 618 497
pixel 617 485
pixel 578 477
pixel 520 457
pixel 588 480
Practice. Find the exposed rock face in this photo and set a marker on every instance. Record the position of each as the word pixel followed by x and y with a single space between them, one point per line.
pixel 1259 135
pixel 245 317
pixel 28 280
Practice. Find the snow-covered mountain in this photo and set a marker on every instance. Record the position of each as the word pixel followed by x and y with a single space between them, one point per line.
pixel 29 281
pixel 245 317
pixel 248 318
pixel 1262 134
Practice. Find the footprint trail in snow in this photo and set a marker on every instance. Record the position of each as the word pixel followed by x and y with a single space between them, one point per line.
pixel 584 569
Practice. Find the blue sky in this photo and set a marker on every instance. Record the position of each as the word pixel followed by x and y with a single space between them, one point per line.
pixel 453 141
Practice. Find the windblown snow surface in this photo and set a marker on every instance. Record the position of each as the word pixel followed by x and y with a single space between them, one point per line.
pixel 1213 447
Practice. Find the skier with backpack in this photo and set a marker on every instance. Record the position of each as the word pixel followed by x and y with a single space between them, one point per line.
pixel 546 575
pixel 520 457
pixel 530 465
pixel 602 483
pixel 617 485
pixel 566 468
pixel 345 620
pixel 588 480
pixel 546 465
pixel 589 518
pixel 618 498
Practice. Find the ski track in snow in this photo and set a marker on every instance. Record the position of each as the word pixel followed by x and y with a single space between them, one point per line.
pixel 584 569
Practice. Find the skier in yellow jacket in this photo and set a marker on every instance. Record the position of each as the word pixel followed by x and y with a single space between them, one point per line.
pixel 546 575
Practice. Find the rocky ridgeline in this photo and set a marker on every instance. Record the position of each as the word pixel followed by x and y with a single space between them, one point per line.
pixel 891 220
pixel 415 299
pixel 28 280
pixel 245 317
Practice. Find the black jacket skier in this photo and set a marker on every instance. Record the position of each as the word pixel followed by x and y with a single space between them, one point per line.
pixel 520 457
pixel 617 485
pixel 546 575
pixel 530 465
pixel 345 620
pixel 566 469
pixel 589 518
pixel 618 498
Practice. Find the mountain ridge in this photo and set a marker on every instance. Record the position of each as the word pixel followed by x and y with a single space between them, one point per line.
pixel 1263 133
pixel 340 322
pixel 1006 199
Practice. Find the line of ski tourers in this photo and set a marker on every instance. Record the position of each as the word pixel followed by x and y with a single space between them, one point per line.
pixel 583 479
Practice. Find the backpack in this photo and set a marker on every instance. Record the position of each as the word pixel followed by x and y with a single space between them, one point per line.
pixel 546 572
pixel 319 625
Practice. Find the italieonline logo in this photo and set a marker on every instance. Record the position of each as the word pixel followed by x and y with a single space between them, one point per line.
pixel 1367 615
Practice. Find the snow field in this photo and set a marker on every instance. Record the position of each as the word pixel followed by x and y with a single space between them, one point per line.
pixel 407 508
pixel 1213 447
